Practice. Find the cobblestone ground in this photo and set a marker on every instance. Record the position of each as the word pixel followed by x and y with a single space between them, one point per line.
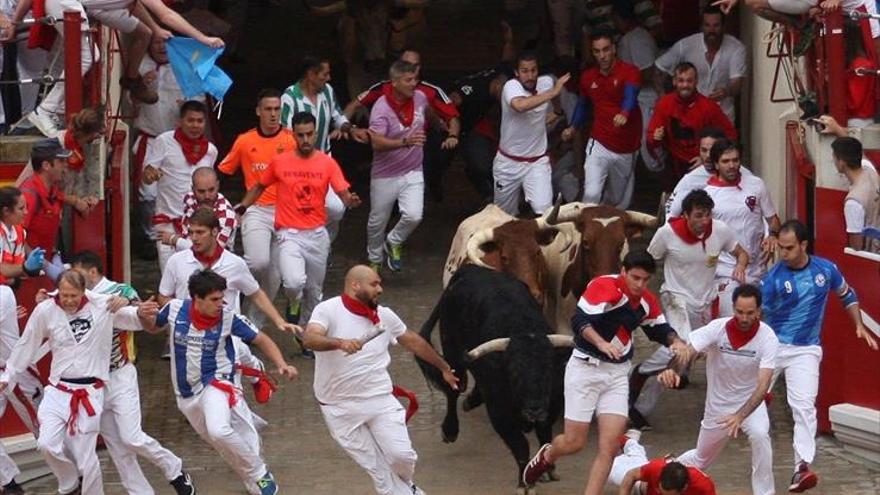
pixel 297 445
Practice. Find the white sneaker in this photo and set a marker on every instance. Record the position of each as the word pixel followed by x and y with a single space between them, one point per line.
pixel 633 434
pixel 47 123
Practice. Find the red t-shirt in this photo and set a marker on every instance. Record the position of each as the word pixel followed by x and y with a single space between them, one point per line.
pixel 302 186
pixel 437 98
pixel 699 484
pixel 606 94
pixel 682 122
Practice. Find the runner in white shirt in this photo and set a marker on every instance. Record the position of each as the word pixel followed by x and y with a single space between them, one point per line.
pixel 350 336
pixel 24 392
pixel 79 327
pixel 741 356
pixel 743 203
pixel 637 47
pixel 720 60
pixel 522 162
pixel 203 371
pixel 170 161
pixel 689 246
pixel 121 419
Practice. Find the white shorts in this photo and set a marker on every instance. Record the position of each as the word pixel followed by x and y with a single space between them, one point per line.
pixel 595 386
pixel 119 19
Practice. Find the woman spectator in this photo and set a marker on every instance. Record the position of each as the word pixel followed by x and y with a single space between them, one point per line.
pixel 861 94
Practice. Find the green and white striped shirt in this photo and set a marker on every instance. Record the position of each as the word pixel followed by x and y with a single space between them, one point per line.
pixel 326 112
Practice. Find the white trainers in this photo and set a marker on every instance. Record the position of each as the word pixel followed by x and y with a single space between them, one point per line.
pixel 47 123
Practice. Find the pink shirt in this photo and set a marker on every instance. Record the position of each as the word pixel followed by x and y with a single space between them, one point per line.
pixel 384 120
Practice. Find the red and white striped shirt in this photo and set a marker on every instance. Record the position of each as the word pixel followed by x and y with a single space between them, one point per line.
pixel 224 212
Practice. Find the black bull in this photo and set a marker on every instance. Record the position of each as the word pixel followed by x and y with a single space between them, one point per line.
pixel 520 379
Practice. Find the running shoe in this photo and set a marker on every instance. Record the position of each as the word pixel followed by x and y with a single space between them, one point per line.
pixel 267 484
pixel 183 484
pixel 537 466
pixel 394 256
pixel 803 479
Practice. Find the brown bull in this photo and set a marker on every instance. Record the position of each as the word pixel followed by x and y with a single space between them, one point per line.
pixel 494 239
pixel 601 236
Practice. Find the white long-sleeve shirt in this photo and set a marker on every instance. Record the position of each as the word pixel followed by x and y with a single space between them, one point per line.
pixel 80 342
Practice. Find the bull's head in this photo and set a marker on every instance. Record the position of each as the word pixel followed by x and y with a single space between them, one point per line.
pixel 515 248
pixel 604 233
pixel 528 358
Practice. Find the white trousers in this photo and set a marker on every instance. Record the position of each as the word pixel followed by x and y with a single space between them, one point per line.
pixel 164 250
pixel 302 257
pixel 261 253
pixel 800 365
pixel 335 209
pixel 713 438
pixel 373 432
pixel 534 179
pixel 121 429
pixel 230 430
pixel 726 286
pixel 31 63
pixel 54 100
pixel 647 102
pixel 617 169
pixel 683 318
pixel 23 395
pixel 633 456
pixel 408 192
pixel 71 456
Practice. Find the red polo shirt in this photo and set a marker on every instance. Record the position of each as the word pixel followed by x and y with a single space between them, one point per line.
pixel 699 483
pixel 43 218
pixel 682 121
pixel 606 93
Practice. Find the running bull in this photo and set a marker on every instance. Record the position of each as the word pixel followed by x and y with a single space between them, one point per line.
pixel 492 326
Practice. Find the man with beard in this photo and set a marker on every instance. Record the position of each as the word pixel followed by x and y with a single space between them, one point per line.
pixel 720 60
pixel 205 193
pixel 741 357
pixel 351 335
pixel 677 121
pixel 610 90
pixel 521 163
pixel 744 204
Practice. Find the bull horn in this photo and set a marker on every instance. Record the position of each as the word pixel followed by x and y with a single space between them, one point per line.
pixel 495 345
pixel 642 219
pixel 553 217
pixel 560 340
pixel 571 215
pixel 474 252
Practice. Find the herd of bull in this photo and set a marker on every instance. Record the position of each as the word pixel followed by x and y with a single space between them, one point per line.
pixel 510 288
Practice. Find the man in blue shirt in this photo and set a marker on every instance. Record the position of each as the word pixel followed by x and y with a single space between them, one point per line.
pixel 795 295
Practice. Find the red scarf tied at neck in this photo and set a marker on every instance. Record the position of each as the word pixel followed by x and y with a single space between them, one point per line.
pixel 77 160
pixel 357 307
pixel 202 321
pixel 209 259
pixel 680 227
pixel 717 181
pixel 737 337
pixel 193 149
pixel 405 110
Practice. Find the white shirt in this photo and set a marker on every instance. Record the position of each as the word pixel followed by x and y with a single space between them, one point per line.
pixel 729 63
pixel 855 216
pixel 80 342
pixel 163 115
pixel 732 374
pixel 175 278
pixel 638 48
pixel 165 153
pixel 8 323
pixel 695 179
pixel 340 377
pixel 743 208
pixel 524 134
pixel 689 269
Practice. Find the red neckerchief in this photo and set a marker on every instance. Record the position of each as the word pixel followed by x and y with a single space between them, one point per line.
pixel 634 301
pixel 680 227
pixel 193 149
pixel 717 181
pixel 200 321
pixel 82 302
pixel 405 110
pixel 359 308
pixel 737 337
pixel 208 260
pixel 77 160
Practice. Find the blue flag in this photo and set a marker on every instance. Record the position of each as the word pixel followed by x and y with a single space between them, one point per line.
pixel 194 67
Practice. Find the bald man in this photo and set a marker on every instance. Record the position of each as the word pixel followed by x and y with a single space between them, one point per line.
pixel 350 335
pixel 205 192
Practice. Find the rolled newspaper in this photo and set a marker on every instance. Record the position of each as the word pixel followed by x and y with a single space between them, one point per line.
pixel 374 332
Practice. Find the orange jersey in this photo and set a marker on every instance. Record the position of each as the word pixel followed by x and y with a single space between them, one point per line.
pixel 302 187
pixel 252 151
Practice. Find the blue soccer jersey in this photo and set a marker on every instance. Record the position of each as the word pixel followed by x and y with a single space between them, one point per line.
pixel 794 300
pixel 199 357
